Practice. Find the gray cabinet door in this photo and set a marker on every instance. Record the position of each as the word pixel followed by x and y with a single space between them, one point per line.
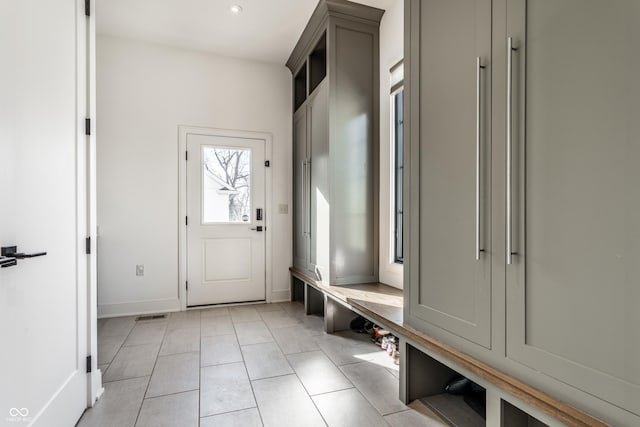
pixel 450 283
pixel 573 287
pixel 354 147
pixel 318 116
pixel 300 190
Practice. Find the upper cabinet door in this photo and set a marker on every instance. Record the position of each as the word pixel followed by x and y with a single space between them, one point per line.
pixel 450 150
pixel 573 285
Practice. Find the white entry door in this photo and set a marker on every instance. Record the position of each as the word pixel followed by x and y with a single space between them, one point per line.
pixel 43 299
pixel 225 221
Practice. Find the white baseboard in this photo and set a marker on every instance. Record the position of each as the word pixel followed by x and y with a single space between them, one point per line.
pixel 64 407
pixel 281 295
pixel 136 308
pixel 96 384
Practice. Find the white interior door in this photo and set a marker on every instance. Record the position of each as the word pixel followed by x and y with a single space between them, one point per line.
pixel 43 300
pixel 225 219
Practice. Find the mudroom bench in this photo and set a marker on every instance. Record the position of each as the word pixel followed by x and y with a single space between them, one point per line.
pixel 426 364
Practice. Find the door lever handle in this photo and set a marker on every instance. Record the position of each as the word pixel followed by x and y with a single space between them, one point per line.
pixel 7 262
pixel 23 255
pixel 10 256
pixel 258 228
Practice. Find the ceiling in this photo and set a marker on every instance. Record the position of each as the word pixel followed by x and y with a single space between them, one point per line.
pixel 266 30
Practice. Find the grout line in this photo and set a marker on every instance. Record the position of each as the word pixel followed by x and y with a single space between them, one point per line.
pixel 199 365
pixel 140 345
pixel 339 367
pixel 300 381
pixel 221 364
pixel 254 397
pixel 400 411
pixel 253 392
pixel 335 391
pixel 126 379
pixel 171 394
pixel 116 355
pixel 232 412
pixel 259 343
pixel 275 376
pixel 151 376
pixel 119 349
pixel 314 404
pixel 180 352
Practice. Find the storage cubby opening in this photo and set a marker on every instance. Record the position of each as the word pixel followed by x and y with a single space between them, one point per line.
pixel 314 301
pixel 318 63
pixel 455 399
pixel 297 290
pixel 300 87
pixel 513 416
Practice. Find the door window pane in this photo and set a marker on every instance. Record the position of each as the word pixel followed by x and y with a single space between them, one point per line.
pixel 226 183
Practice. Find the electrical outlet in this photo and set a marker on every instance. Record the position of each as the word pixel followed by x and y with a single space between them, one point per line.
pixel 283 209
pixel 140 270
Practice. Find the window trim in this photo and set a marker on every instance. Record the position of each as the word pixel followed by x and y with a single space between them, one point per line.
pixel 397 88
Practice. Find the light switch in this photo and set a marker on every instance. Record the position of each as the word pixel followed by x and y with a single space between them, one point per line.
pixel 140 270
pixel 283 208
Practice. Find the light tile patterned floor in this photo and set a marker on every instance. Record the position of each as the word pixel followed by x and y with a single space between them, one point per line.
pixel 259 365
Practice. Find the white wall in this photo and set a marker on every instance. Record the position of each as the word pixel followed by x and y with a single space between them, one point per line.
pixel 144 92
pixel 391 51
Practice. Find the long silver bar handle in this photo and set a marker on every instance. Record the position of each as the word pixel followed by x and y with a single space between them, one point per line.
pixel 509 249
pixel 310 196
pixel 479 68
pixel 304 197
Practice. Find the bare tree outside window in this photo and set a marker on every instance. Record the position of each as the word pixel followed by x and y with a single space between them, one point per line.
pixel 231 172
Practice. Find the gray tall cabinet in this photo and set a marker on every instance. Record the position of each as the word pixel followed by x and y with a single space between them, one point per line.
pixel 335 144
pixel 523 144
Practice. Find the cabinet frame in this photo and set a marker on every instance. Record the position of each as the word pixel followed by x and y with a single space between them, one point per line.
pixel 344 236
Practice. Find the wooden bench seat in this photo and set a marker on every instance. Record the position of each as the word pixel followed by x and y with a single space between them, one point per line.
pixel 377 302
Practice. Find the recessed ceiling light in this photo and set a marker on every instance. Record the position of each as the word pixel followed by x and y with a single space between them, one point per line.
pixel 236 9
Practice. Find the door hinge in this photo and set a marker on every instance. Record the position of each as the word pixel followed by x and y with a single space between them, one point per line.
pixel 87 7
pixel 186 220
pixel 87 246
pixel 87 126
pixel 186 155
pixel 186 284
pixel 88 364
pixel 267 164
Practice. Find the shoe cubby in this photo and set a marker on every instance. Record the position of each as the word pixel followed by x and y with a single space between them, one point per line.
pixel 513 416
pixel 455 399
pixel 297 289
pixel 313 300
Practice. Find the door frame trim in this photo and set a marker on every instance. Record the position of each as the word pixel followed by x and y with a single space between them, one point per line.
pixel 183 132
pixel 87 63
